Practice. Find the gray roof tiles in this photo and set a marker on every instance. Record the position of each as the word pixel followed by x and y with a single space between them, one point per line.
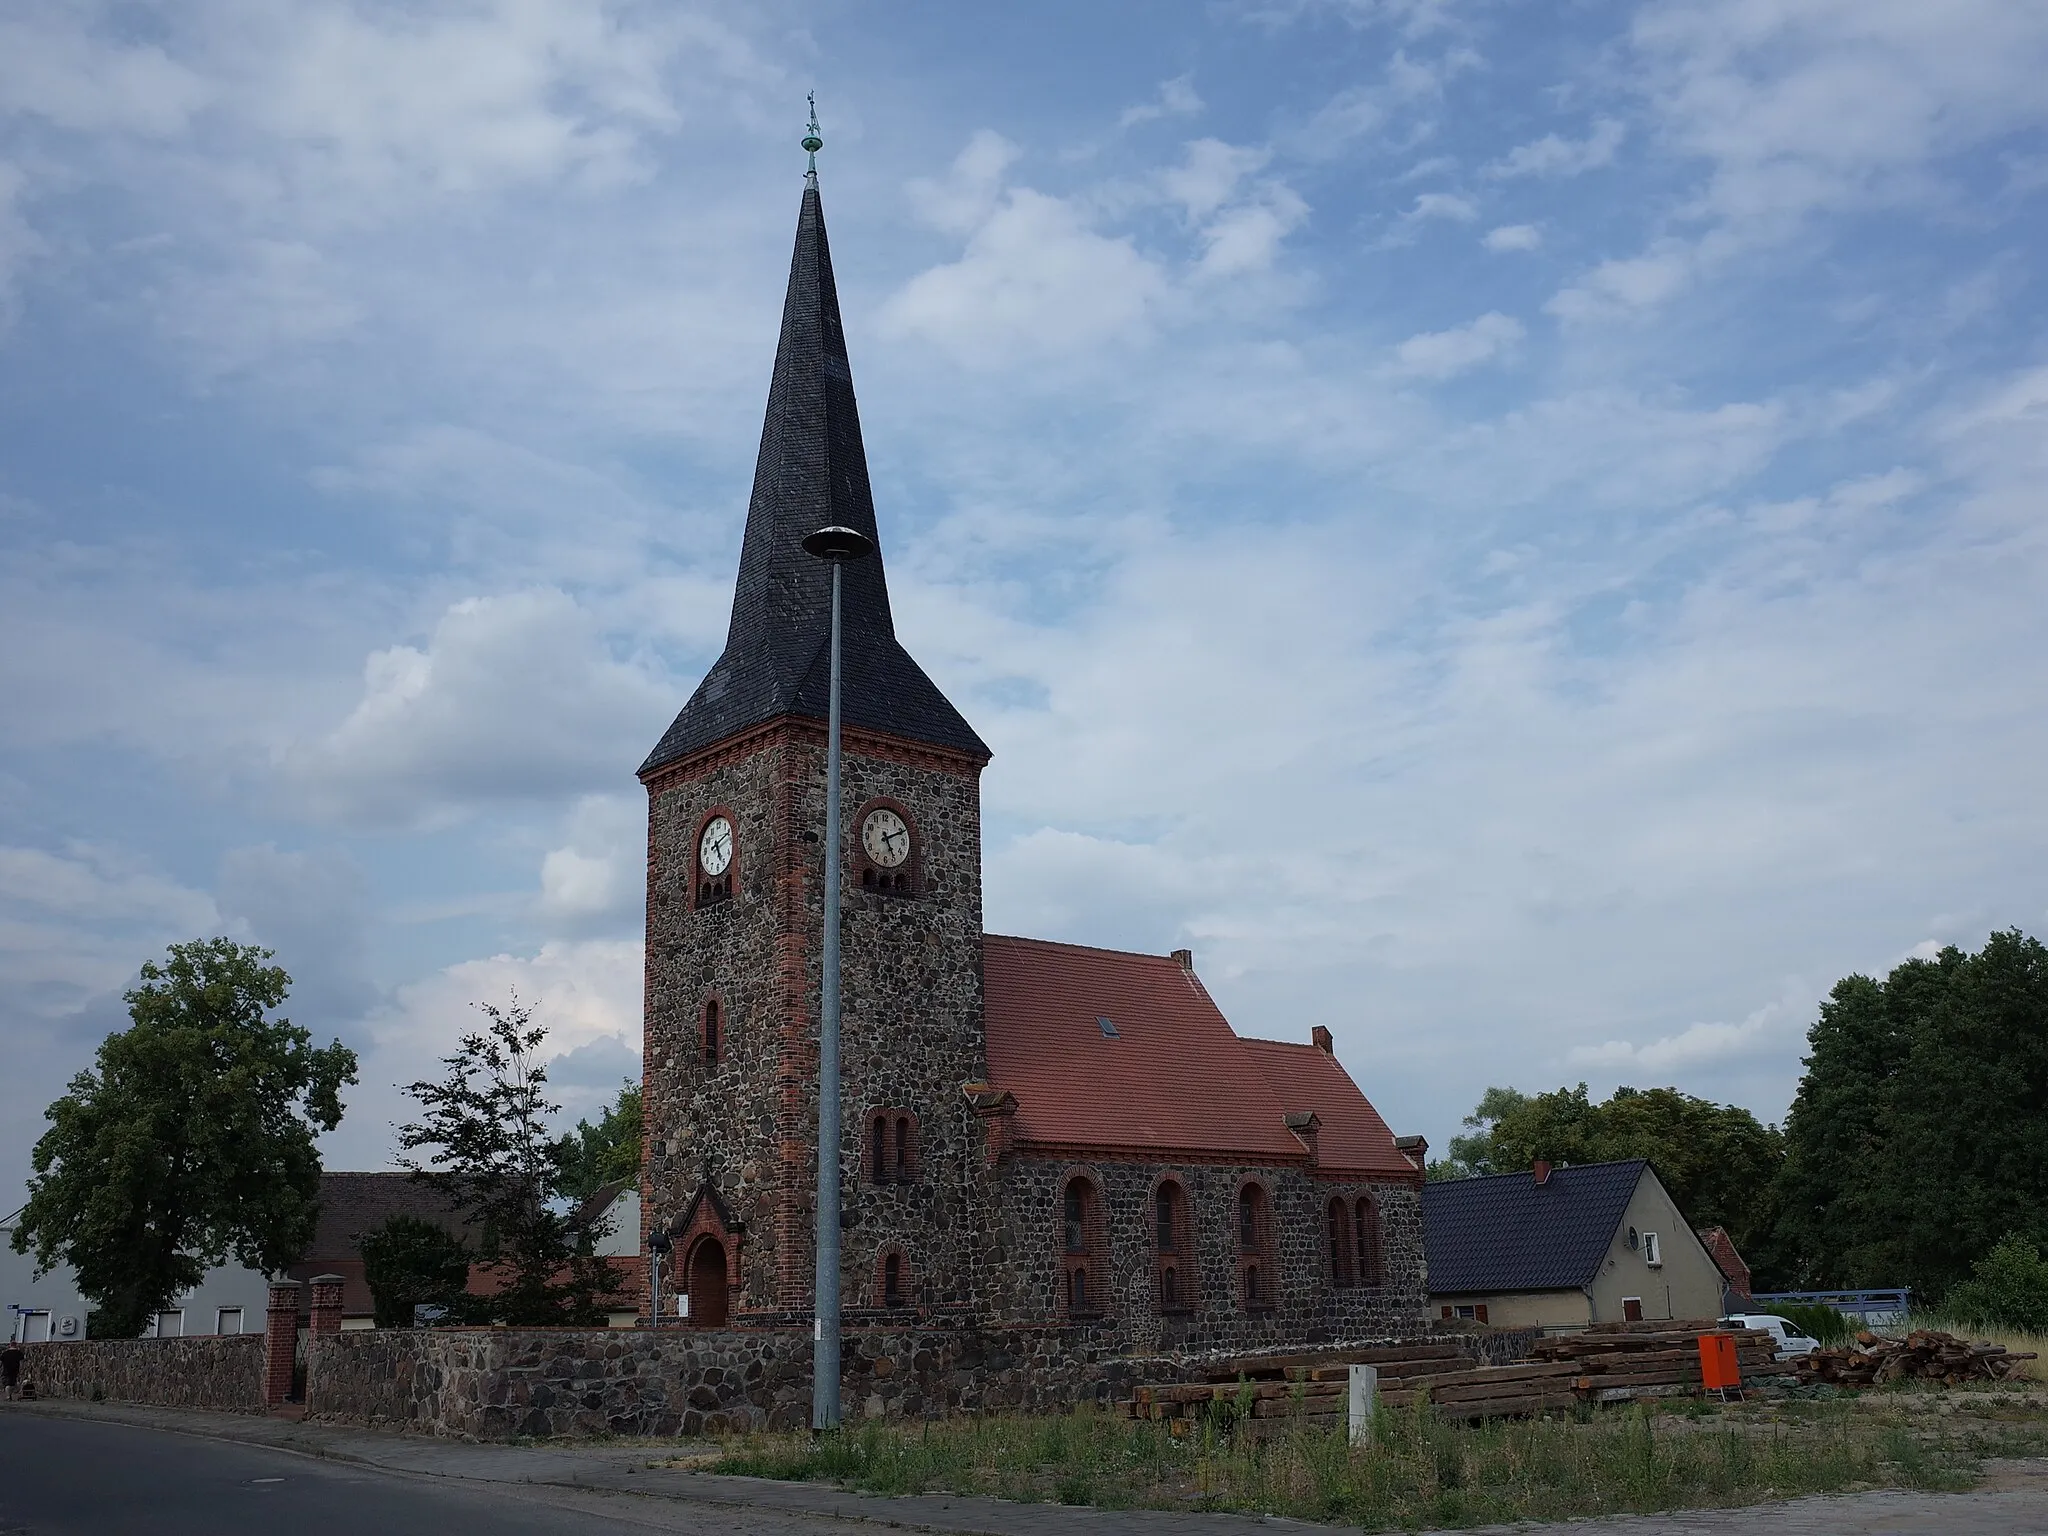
pixel 1507 1233
pixel 812 471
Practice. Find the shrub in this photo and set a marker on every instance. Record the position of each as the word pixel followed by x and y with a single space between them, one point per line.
pixel 408 1261
pixel 2007 1289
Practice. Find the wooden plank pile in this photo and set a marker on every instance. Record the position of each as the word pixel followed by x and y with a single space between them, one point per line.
pixel 1612 1365
pixel 1922 1355
pixel 1622 1363
pixel 1312 1389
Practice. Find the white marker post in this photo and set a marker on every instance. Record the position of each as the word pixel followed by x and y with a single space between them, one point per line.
pixel 1365 1396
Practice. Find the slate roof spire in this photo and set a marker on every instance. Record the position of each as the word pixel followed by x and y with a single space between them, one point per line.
pixel 812 471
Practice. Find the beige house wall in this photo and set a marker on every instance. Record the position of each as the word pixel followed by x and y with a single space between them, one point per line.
pixel 1557 1311
pixel 1688 1282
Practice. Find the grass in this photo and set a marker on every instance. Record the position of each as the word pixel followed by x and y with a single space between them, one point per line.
pixel 1422 1470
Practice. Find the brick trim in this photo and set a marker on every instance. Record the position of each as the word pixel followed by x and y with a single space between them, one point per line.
pixel 1176 1269
pixel 784 728
pixel 1339 1246
pixel 897 1144
pixel 1084 1264
pixel 706 890
pixel 906 1278
pixel 1257 1289
pixel 906 880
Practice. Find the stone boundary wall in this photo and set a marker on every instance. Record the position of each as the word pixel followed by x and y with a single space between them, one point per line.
pixel 503 1383
pixel 224 1374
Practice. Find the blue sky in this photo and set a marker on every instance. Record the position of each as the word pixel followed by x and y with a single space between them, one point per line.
pixel 1515 532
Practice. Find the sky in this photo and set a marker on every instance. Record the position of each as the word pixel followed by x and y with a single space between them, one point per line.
pixel 1515 532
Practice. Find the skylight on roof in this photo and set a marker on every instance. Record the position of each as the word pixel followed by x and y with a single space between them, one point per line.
pixel 1108 1029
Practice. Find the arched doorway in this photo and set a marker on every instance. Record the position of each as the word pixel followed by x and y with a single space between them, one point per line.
pixel 707 1284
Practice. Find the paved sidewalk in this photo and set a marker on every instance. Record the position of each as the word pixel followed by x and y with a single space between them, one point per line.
pixel 2014 1503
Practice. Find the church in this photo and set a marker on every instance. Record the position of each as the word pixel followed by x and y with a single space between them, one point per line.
pixel 1035 1133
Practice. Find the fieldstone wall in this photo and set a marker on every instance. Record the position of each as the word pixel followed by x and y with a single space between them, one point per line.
pixel 501 1383
pixel 222 1374
pixel 1308 1308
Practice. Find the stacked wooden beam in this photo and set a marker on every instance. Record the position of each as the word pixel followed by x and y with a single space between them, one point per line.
pixel 1312 1388
pixel 1623 1363
pixel 1922 1355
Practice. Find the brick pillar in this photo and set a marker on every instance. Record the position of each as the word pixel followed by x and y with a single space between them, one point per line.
pixel 326 1304
pixel 281 1341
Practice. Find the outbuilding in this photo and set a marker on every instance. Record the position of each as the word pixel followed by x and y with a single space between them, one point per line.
pixel 1566 1247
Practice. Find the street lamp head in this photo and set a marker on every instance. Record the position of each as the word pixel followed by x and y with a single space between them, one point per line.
pixel 838 544
pixel 659 1241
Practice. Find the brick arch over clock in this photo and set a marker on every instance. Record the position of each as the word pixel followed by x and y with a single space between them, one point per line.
pixel 872 872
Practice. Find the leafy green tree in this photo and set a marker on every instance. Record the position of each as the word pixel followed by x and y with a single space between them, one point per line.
pixel 596 1155
pixel 2008 1288
pixel 1919 1136
pixel 409 1261
pixel 485 1128
pixel 191 1140
pixel 1717 1161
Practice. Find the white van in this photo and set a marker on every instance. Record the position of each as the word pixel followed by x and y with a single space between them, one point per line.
pixel 1791 1342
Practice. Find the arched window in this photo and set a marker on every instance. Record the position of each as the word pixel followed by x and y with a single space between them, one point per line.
pixel 1341 1251
pixel 892 1147
pixel 712 1042
pixel 892 1280
pixel 1369 1242
pixel 1255 1246
pixel 1173 1246
pixel 1081 1247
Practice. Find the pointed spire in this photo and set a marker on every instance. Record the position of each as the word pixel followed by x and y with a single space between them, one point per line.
pixel 812 471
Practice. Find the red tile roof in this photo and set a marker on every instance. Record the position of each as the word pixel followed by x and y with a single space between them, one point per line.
pixel 1353 1138
pixel 1175 1079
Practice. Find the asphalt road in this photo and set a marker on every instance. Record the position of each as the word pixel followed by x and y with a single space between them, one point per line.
pixel 62 1477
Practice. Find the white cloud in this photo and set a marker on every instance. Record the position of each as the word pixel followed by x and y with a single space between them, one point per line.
pixel 600 871
pixel 513 696
pixel 1628 285
pixel 1552 156
pixel 1176 98
pixel 1513 237
pixel 1442 205
pixel 1035 279
pixel 971 188
pixel 1209 175
pixel 60 72
pixel 1440 354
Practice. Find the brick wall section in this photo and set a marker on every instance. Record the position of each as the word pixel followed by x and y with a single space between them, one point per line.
pixel 1308 1307
pixel 493 1384
pixel 326 1301
pixel 221 1374
pixel 911 1011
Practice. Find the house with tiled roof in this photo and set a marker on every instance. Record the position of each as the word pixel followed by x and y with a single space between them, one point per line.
pixel 1562 1248
pixel 1032 1132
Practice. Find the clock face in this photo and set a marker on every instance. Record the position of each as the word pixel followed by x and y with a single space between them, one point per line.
pixel 714 848
pixel 885 838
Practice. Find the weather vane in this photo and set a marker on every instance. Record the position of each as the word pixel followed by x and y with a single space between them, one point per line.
pixel 812 143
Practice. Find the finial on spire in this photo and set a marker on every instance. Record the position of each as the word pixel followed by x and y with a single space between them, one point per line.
pixel 812 143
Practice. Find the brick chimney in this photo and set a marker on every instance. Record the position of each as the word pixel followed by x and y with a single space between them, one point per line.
pixel 1542 1172
pixel 1186 957
pixel 1320 1038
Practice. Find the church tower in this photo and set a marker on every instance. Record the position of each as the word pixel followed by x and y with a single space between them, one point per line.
pixel 735 888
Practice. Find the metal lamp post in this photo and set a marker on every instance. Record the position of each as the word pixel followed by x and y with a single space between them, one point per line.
pixel 836 546
pixel 658 1246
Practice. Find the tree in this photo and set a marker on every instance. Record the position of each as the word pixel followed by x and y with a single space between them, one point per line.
pixel 1716 1160
pixel 409 1262
pixel 1919 1136
pixel 193 1138
pixel 485 1125
pixel 596 1155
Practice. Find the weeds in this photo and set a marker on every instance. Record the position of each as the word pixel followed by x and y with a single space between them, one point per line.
pixel 1418 1470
